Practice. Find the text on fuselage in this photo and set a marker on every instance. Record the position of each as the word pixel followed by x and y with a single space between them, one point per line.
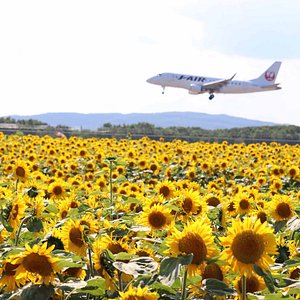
pixel 192 78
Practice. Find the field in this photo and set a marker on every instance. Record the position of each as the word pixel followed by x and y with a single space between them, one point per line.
pixel 144 219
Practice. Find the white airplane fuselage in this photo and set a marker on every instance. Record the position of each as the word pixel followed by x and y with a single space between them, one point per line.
pixel 202 84
pixel 186 81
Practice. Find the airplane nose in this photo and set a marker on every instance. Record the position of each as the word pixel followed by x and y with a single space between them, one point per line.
pixel 150 80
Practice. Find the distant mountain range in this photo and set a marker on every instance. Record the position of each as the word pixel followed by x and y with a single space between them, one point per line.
pixel 94 121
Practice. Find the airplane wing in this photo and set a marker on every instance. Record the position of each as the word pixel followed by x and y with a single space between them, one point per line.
pixel 216 85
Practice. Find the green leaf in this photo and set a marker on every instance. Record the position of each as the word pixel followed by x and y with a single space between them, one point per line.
pixel 294 262
pixel 52 208
pixel 37 292
pixel 170 268
pixel 277 297
pixel 278 225
pixel 269 281
pixel 3 220
pixel 35 225
pixel 64 263
pixel 258 270
pixel 95 287
pixel 137 266
pixel 216 287
pixel 124 256
pixel 72 285
pixel 267 276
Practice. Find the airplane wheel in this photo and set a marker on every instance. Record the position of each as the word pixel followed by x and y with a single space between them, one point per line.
pixel 211 96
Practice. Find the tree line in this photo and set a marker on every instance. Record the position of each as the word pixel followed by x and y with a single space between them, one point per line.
pixel 280 133
pixel 30 122
pixel 289 134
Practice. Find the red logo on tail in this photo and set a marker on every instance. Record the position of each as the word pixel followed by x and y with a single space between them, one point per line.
pixel 270 76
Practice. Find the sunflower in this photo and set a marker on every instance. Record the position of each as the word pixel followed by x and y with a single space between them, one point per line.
pixel 282 207
pixel 254 283
pixel 8 276
pixel 212 199
pixel 156 217
pixel 21 171
pixel 189 201
pixel 276 184
pixel 57 189
pixel 72 236
pixel 293 172
pixel 64 208
pixel 138 293
pixel 36 264
pixel 103 265
pixel 229 208
pixel 74 273
pixel 260 214
pixel 114 245
pixel 248 242
pixel 191 173
pixel 213 270
pixel 166 188
pixel 88 220
pixel 197 239
pixel 243 203
pixel 261 180
pixel 17 211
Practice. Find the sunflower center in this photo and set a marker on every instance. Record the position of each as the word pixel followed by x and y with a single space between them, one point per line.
pixel 165 191
pixel 231 207
pixel 76 237
pixel 213 201
pixel 295 274
pixel 72 272
pixel 57 190
pixel 262 216
pixel 252 284
pixel 116 248
pixel 157 219
pixel 193 243
pixel 247 247
pixel 187 205
pixel 10 269
pixel 212 270
pixel 20 171
pixel 244 204
pixel 14 212
pixel 39 264
pixel 283 210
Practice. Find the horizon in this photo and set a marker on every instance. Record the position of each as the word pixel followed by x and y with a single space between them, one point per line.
pixel 175 118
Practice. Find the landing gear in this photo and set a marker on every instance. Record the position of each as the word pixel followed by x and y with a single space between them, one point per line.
pixel 163 89
pixel 211 96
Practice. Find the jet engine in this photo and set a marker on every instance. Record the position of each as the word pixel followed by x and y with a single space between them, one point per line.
pixel 195 89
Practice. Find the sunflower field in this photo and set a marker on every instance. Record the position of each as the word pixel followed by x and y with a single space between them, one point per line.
pixel 148 219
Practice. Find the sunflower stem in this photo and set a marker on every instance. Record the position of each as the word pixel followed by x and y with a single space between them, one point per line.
pixel 244 287
pixel 91 262
pixel 120 281
pixel 183 292
pixel 110 181
pixel 20 228
pixel 17 182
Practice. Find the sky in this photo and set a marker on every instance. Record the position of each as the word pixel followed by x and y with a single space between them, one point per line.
pixel 95 56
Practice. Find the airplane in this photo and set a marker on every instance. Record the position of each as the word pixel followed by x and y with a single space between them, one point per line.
pixel 201 84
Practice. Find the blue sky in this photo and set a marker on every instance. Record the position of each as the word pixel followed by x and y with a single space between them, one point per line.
pixel 95 56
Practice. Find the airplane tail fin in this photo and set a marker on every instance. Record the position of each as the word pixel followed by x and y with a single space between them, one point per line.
pixel 269 76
